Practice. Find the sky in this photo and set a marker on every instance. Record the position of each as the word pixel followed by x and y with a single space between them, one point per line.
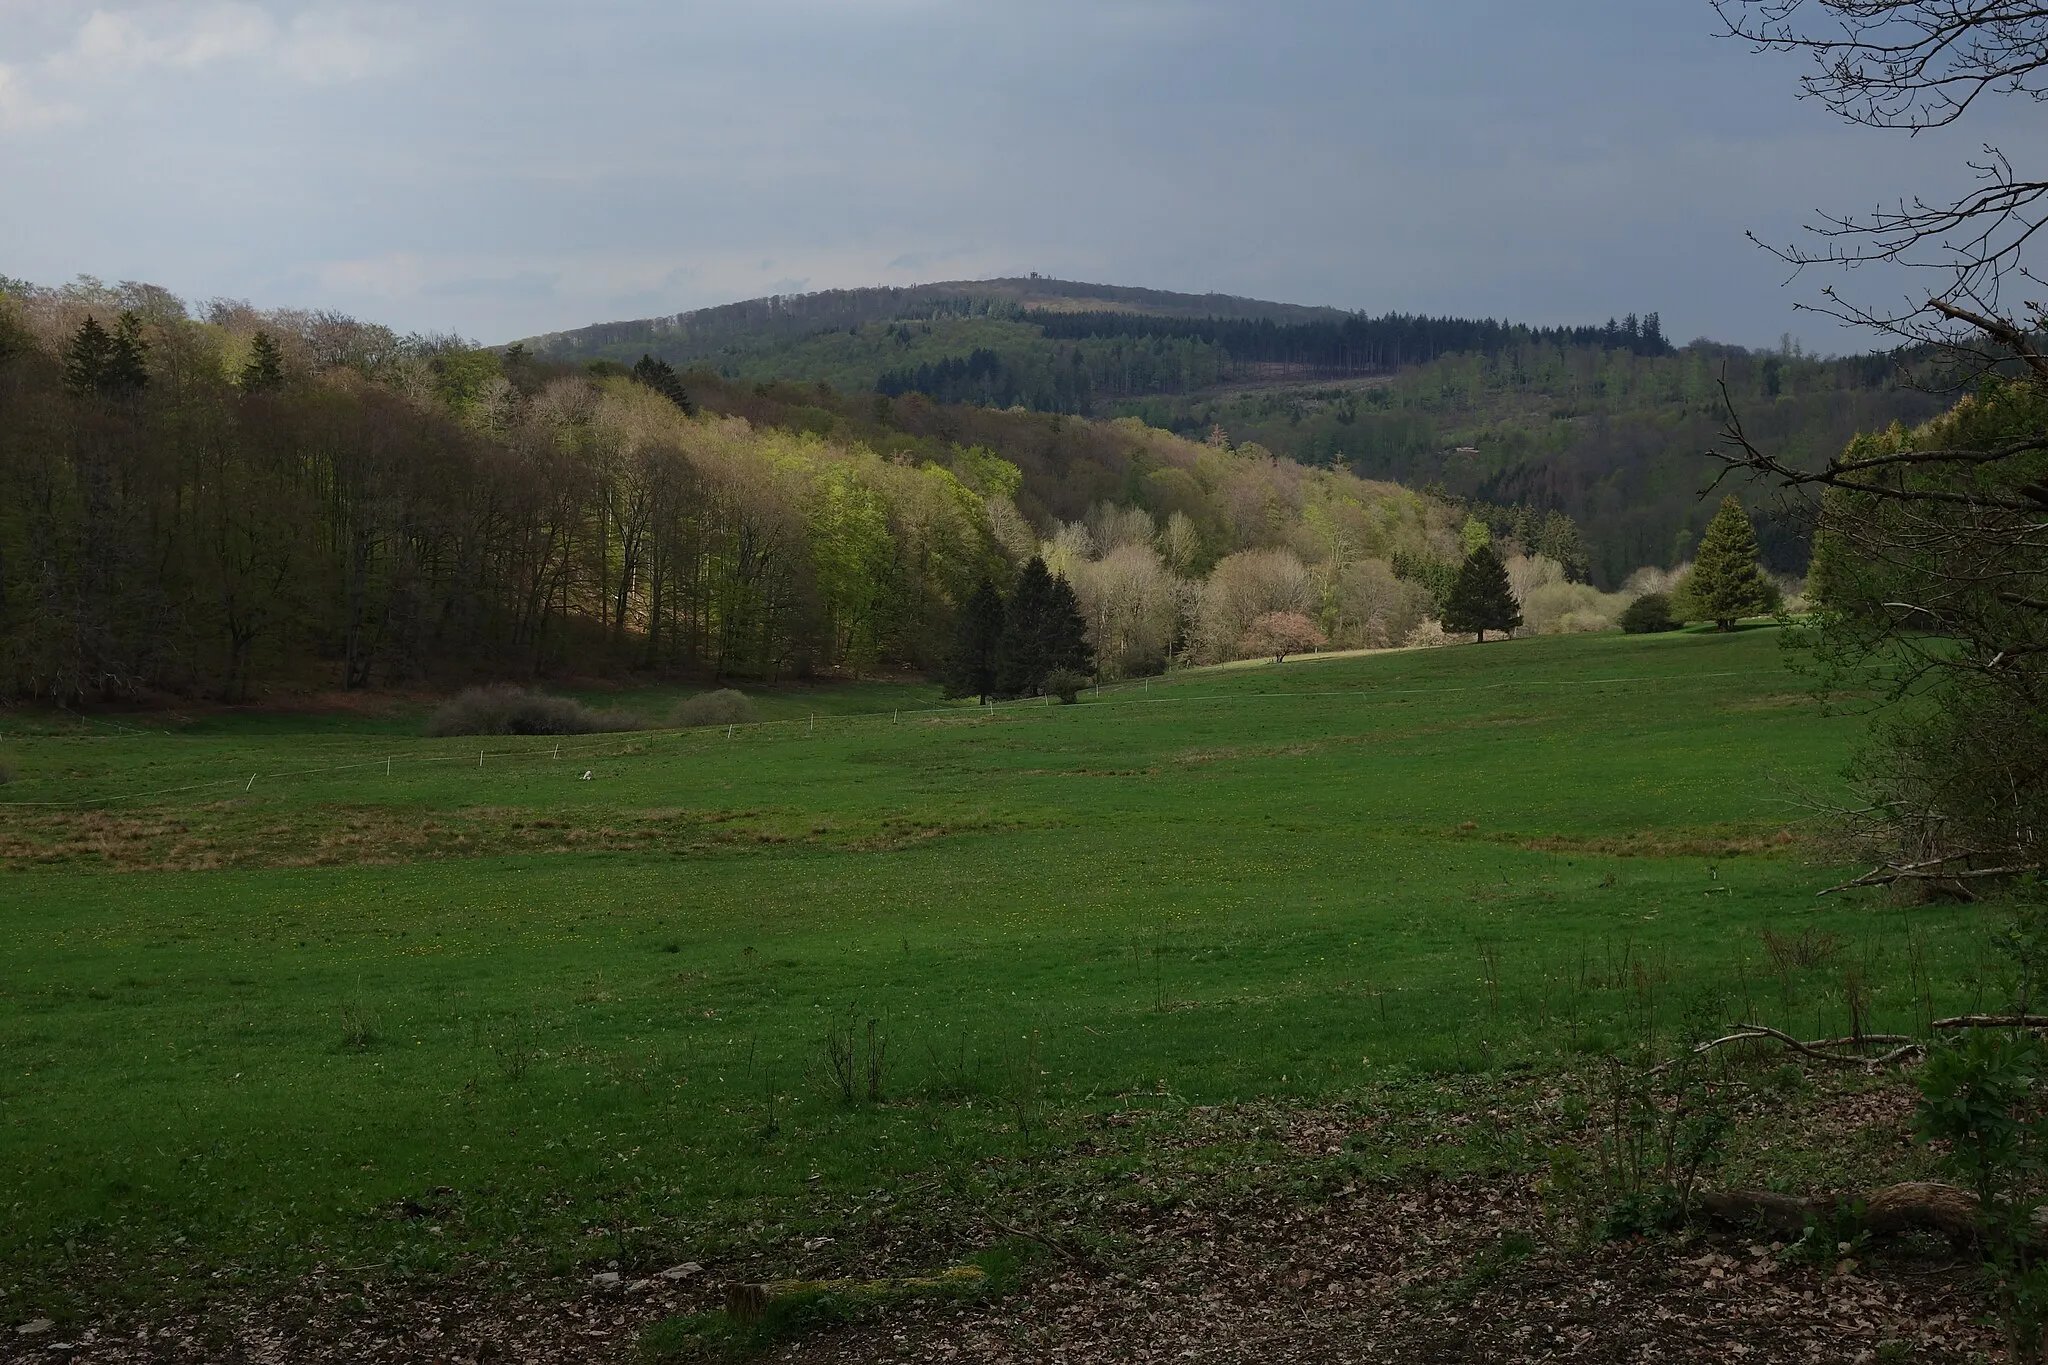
pixel 508 168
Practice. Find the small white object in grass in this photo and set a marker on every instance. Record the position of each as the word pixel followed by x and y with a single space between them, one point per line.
pixel 586 775
pixel 35 1327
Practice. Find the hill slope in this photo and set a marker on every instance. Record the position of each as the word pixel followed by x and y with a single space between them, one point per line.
pixel 1607 424
pixel 779 319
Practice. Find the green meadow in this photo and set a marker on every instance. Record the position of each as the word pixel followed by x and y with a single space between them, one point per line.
pixel 279 992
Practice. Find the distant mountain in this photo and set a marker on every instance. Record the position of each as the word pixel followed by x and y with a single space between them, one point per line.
pixel 778 319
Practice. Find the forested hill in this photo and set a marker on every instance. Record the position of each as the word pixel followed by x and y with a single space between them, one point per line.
pixel 1606 423
pixel 762 324
pixel 236 503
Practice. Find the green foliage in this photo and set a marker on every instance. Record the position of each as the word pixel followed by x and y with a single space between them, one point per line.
pixel 1725 583
pixel 1933 605
pixel 1979 1095
pixel 1066 684
pixel 1649 614
pixel 1433 574
pixel 855 555
pixel 1480 598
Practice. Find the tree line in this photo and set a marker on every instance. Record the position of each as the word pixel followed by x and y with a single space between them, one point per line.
pixel 1356 344
pixel 222 502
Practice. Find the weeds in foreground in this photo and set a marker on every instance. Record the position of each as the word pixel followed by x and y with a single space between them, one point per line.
pixel 358 1027
pixel 853 1059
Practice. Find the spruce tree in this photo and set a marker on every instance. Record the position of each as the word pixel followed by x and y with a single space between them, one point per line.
pixel 265 370
pixel 1067 633
pixel 971 671
pixel 1725 583
pixel 86 358
pixel 128 359
pixel 1480 598
pixel 661 376
pixel 1042 631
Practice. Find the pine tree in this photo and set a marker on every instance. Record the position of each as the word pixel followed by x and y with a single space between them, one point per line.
pixel 1725 583
pixel 86 358
pixel 971 672
pixel 661 376
pixel 265 370
pixel 1481 599
pixel 128 359
pixel 1042 632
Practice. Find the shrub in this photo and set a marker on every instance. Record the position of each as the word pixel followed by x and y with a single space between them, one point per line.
pixel 1281 633
pixel 723 707
pixel 1429 634
pixel 1649 614
pixel 1066 684
pixel 502 709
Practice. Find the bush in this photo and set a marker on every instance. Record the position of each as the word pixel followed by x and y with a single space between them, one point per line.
pixel 1065 684
pixel 723 707
pixel 1649 614
pixel 502 709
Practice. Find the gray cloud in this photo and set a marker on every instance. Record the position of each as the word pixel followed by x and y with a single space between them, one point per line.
pixel 515 167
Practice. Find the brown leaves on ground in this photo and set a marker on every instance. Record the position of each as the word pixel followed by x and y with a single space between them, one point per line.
pixel 1250 1233
pixel 1417 1275
pixel 1393 1274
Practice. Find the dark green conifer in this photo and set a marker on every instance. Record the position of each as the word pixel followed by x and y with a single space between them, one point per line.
pixel 86 358
pixel 971 672
pixel 265 370
pixel 1042 631
pixel 659 375
pixel 128 359
pixel 1480 598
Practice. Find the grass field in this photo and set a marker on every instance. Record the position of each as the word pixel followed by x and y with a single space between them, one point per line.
pixel 280 992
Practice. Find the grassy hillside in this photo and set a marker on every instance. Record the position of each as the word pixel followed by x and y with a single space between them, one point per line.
pixel 269 986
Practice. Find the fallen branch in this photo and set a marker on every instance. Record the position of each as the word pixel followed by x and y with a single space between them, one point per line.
pixel 1930 871
pixel 1913 1206
pixel 1994 1021
pixel 1048 1243
pixel 1902 1046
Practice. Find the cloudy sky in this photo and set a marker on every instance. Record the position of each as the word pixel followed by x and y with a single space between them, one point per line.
pixel 509 167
